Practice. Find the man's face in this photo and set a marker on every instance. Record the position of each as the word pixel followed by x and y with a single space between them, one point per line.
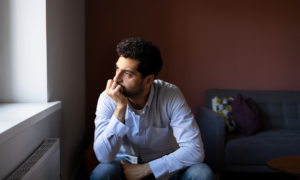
pixel 128 77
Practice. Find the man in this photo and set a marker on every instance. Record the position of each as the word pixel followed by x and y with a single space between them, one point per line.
pixel 144 127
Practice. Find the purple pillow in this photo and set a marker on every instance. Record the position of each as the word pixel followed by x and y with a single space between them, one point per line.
pixel 245 115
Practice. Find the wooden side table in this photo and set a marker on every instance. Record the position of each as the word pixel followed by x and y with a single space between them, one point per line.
pixel 287 164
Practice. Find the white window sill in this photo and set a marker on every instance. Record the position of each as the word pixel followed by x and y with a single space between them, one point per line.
pixel 16 117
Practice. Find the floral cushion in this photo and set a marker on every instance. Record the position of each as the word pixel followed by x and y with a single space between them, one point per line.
pixel 223 107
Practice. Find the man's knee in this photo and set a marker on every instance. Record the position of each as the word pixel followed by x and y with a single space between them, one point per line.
pixel 108 171
pixel 200 172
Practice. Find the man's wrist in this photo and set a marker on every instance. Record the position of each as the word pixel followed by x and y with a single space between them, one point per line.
pixel 121 106
pixel 147 170
pixel 120 112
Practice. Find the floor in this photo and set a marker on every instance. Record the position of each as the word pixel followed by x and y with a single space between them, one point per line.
pixel 257 176
pixel 82 174
pixel 224 176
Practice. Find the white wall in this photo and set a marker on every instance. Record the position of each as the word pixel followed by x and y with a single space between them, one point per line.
pixel 15 151
pixel 23 71
pixel 59 51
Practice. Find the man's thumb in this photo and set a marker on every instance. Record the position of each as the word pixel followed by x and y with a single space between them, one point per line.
pixel 122 162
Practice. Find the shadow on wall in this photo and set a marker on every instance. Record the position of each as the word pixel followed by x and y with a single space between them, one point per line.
pixel 5 52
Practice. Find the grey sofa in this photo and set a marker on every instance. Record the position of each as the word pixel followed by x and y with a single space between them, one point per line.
pixel 279 135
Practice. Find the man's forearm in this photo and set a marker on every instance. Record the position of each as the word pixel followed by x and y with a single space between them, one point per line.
pixel 136 171
pixel 120 112
pixel 147 169
pixel 166 166
pixel 108 142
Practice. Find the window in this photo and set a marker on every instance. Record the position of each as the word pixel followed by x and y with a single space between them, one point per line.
pixel 23 51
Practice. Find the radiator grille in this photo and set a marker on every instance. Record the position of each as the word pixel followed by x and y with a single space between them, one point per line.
pixel 33 165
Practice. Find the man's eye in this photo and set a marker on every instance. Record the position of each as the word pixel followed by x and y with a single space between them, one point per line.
pixel 128 74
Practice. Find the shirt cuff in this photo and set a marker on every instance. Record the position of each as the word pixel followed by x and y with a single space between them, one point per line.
pixel 159 169
pixel 116 127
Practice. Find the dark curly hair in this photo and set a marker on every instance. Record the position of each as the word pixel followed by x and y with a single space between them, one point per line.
pixel 148 55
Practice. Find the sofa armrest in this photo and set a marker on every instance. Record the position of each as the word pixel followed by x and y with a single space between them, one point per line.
pixel 212 128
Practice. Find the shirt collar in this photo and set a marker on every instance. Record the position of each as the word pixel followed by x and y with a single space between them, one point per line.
pixel 150 96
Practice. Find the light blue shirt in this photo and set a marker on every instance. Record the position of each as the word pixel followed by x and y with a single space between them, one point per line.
pixel 165 134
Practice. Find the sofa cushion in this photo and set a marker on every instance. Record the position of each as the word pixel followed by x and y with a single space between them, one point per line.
pixel 278 109
pixel 246 115
pixel 261 147
pixel 222 106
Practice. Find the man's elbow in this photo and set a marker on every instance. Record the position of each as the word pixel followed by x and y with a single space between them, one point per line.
pixel 102 159
pixel 201 158
pixel 198 156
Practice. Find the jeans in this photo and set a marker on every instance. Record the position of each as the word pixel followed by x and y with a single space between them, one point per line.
pixel 114 171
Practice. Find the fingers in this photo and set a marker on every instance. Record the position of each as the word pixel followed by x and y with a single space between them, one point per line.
pixel 115 91
pixel 122 162
pixel 113 86
pixel 119 88
pixel 108 84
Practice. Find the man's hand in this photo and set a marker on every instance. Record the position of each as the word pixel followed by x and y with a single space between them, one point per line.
pixel 136 171
pixel 114 90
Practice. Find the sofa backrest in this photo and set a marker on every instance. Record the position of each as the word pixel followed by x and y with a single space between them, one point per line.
pixel 278 109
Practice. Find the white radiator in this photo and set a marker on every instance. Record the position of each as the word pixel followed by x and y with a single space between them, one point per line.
pixel 44 164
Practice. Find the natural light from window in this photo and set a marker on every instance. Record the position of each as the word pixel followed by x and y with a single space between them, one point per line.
pixel 23 51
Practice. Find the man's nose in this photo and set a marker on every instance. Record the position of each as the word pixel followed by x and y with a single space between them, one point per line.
pixel 118 77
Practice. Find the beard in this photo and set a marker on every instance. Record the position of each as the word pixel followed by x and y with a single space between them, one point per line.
pixel 132 92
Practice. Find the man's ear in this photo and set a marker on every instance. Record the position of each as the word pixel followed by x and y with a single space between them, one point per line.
pixel 148 81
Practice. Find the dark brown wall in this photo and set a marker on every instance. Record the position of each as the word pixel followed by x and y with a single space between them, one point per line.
pixel 230 44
